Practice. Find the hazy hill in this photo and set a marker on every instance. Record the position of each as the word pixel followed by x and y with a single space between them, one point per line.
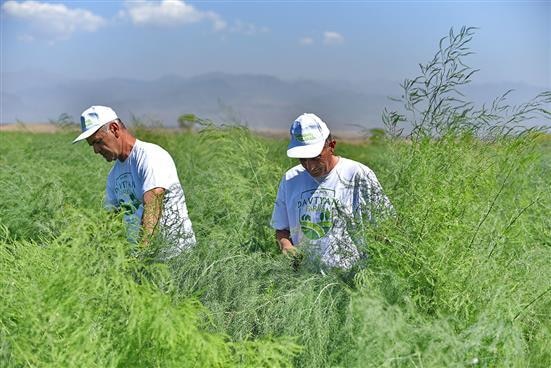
pixel 259 101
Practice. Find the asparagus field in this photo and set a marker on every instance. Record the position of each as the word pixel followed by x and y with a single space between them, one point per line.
pixel 459 277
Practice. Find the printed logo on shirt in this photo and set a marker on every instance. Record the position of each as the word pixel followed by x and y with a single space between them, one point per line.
pixel 125 193
pixel 315 208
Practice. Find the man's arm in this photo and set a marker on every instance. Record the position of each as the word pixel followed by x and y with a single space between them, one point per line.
pixel 152 210
pixel 284 240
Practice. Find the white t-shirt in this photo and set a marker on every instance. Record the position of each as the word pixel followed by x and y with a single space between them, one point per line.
pixel 324 213
pixel 149 166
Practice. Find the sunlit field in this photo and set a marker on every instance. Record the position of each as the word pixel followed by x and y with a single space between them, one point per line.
pixel 458 278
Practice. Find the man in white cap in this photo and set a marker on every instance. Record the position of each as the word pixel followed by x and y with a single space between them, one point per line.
pixel 323 203
pixel 143 182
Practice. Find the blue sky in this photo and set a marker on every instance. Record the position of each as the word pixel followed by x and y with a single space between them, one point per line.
pixel 344 40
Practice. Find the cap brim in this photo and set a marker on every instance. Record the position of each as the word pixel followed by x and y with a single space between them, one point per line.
pixel 306 151
pixel 86 134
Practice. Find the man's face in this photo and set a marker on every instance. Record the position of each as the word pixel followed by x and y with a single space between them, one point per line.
pixel 105 143
pixel 323 163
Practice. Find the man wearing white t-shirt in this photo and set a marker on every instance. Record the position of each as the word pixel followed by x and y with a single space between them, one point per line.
pixel 143 182
pixel 323 203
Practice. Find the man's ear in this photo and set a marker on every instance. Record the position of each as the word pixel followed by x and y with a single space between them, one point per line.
pixel 332 144
pixel 115 129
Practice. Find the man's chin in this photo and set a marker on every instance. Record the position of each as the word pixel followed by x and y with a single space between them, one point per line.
pixel 315 174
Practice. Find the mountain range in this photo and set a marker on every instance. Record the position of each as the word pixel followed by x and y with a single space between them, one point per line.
pixel 258 101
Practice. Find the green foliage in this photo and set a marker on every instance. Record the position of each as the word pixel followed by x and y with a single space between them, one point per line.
pixel 73 294
pixel 460 277
pixel 376 135
pixel 461 274
pixel 187 121
pixel 142 125
pixel 241 169
pixel 65 122
pixel 434 104
pixel 470 189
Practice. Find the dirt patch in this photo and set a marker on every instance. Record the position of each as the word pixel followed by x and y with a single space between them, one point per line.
pixel 347 137
pixel 33 128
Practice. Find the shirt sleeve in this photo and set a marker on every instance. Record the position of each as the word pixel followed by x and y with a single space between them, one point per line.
pixel 373 203
pixel 280 218
pixel 157 169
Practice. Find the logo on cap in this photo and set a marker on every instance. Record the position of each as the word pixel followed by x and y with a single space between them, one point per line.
pixel 86 123
pixel 304 137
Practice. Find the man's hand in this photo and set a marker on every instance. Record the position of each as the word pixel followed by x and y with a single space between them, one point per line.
pixel 285 243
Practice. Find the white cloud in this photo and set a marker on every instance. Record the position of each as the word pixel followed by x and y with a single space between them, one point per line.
pixel 52 21
pixel 332 38
pixel 305 41
pixel 170 13
pixel 247 28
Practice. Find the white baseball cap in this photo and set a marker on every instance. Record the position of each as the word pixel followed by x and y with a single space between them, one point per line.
pixel 308 135
pixel 94 118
